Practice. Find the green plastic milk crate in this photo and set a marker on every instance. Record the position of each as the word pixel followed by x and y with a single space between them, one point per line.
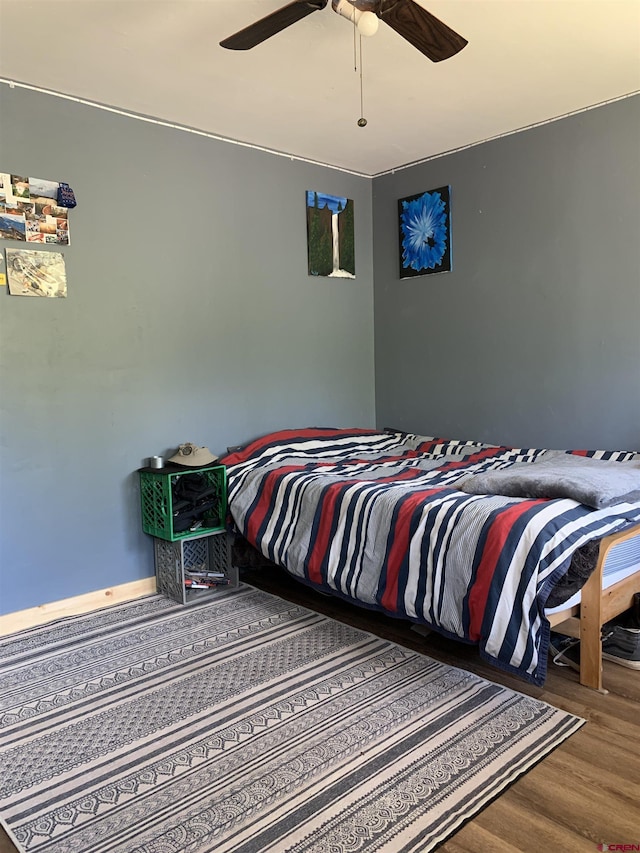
pixel 156 494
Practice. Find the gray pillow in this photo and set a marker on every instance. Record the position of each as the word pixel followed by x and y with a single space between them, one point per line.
pixel 597 483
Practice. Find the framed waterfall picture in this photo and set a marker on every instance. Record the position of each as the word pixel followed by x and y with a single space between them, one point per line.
pixel 330 235
pixel 425 233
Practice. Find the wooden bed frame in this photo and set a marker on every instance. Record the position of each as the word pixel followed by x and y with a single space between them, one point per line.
pixel 597 606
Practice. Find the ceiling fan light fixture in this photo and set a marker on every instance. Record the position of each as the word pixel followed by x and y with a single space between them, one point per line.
pixel 368 24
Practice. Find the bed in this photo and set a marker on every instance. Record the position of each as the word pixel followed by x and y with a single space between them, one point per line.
pixel 427 529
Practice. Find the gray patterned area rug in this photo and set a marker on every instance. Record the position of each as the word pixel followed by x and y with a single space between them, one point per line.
pixel 245 723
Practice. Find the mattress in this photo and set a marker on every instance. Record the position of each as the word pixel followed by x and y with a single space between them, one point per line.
pixel 621 562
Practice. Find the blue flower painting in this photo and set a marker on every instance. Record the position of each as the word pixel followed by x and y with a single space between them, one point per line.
pixel 425 233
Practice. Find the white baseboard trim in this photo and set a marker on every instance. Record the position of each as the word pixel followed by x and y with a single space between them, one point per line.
pixel 22 619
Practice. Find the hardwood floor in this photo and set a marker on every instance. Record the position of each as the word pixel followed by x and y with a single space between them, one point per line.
pixel 586 793
pixel 6 846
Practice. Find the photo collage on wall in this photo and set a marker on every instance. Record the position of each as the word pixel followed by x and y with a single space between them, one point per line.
pixel 30 212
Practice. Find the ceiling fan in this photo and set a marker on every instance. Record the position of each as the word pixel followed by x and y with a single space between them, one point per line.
pixel 419 27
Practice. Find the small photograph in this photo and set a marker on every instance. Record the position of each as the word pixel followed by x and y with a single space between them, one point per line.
pixel 59 212
pixel 40 187
pixel 48 225
pixel 12 227
pixel 35 237
pixel 6 189
pixel 44 206
pixel 20 186
pixel 24 208
pixel 62 237
pixel 34 273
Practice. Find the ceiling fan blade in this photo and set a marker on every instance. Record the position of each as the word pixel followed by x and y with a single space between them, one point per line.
pixel 422 29
pixel 275 22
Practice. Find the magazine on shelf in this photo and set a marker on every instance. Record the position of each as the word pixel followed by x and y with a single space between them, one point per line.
pixel 194 574
pixel 205 583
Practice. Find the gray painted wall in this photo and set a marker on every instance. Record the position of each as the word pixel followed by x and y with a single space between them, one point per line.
pixel 190 317
pixel 534 338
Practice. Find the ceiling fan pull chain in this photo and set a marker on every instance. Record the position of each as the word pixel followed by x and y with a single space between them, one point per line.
pixel 355 49
pixel 362 122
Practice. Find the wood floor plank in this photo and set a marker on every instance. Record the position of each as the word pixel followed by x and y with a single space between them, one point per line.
pixel 579 768
pixel 618 758
pixel 579 806
pixel 6 845
pixel 474 838
pixel 523 828
pixel 611 711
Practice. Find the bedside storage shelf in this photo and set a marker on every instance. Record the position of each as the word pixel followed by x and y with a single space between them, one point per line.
pixel 159 498
pixel 192 563
pixel 191 559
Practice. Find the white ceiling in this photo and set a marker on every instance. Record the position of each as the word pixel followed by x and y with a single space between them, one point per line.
pixel 527 61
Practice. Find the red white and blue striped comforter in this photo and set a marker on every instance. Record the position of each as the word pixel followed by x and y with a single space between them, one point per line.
pixel 376 518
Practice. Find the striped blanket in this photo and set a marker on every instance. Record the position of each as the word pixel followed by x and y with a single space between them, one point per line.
pixel 375 517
